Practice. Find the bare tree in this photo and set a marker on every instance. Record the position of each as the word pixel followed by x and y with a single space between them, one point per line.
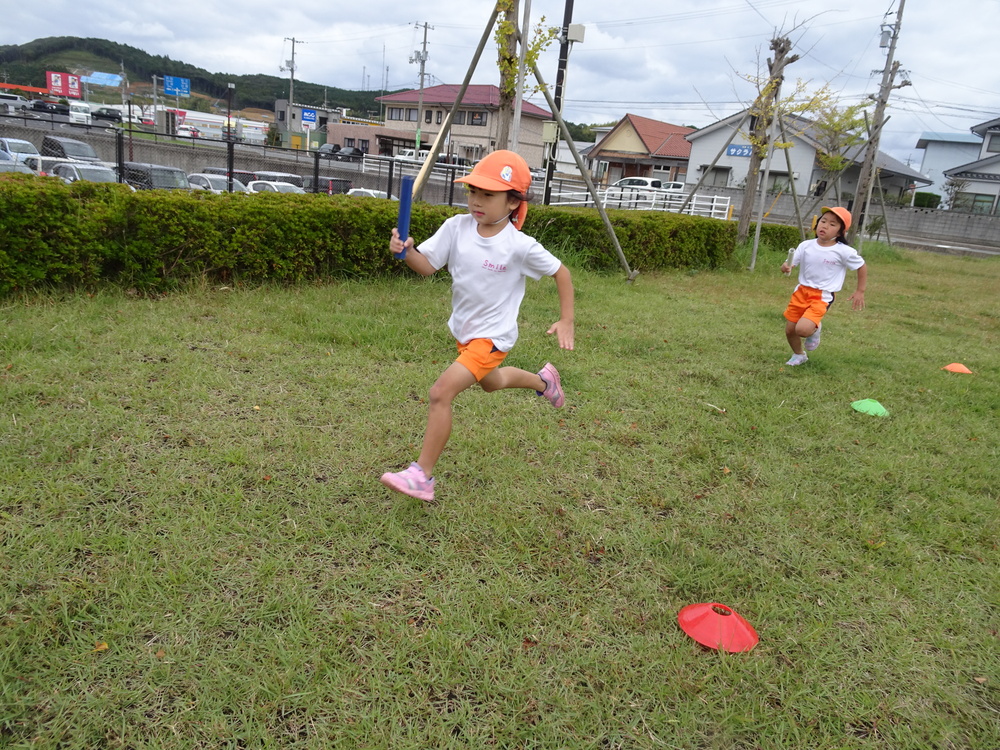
pixel 953 190
pixel 762 113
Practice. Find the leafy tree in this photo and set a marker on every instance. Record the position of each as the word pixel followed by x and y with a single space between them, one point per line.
pixel 838 132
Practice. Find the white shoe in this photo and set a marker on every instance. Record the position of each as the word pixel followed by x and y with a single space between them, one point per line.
pixel 797 359
pixel 812 342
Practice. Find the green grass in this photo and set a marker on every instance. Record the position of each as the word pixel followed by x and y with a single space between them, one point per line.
pixel 197 553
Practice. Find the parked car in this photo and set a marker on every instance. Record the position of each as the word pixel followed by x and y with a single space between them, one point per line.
pixel 349 153
pixel 13 166
pixel 143 176
pixel 13 101
pixel 280 177
pixel 71 172
pixel 43 165
pixel 328 185
pixel 17 149
pixel 215 183
pixel 51 108
pixel 68 148
pixel 266 186
pixel 107 113
pixel 411 154
pixel 240 174
pixel 647 183
pixel 368 193
pixel 459 161
pixel 80 113
pixel 641 192
pixel 327 150
pixel 189 131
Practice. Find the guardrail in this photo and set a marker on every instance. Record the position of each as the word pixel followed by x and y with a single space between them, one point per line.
pixel 713 206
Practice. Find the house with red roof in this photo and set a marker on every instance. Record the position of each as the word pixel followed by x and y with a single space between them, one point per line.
pixel 474 130
pixel 642 147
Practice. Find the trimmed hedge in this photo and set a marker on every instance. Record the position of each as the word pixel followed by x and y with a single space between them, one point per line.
pixel 52 234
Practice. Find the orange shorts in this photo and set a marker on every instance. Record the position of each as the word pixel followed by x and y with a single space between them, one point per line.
pixel 480 357
pixel 808 303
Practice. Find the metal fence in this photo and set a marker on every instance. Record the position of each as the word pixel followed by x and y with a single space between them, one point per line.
pixel 380 175
pixel 115 146
pixel 576 194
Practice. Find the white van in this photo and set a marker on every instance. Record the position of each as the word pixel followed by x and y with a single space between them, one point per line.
pixel 410 154
pixel 79 113
pixel 12 102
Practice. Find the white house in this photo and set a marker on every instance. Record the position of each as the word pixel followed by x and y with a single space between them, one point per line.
pixel 727 166
pixel 943 151
pixel 980 193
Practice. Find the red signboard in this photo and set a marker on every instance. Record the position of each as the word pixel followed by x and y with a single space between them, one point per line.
pixel 63 84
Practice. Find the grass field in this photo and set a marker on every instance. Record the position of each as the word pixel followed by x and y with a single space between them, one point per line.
pixel 197 553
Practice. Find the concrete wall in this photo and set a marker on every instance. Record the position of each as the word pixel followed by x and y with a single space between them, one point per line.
pixel 924 223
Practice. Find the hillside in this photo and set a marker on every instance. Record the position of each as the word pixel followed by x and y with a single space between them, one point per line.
pixel 26 64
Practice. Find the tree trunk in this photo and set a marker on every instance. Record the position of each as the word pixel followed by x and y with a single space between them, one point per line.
pixel 508 62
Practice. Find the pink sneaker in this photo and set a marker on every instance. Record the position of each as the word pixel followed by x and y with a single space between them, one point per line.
pixel 553 388
pixel 412 482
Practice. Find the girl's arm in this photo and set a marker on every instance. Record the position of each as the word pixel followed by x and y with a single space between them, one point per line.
pixel 563 328
pixel 858 298
pixel 414 260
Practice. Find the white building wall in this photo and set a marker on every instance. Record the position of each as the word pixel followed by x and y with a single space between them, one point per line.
pixel 942 155
pixel 706 148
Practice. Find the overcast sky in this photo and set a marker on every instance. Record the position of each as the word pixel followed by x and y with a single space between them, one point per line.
pixel 684 63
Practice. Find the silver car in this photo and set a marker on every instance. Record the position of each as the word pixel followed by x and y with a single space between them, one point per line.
pixel 264 186
pixel 215 183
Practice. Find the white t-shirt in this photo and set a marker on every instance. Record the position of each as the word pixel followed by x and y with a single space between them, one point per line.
pixel 825 268
pixel 487 276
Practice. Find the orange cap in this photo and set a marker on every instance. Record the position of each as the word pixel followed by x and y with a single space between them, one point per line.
pixel 841 213
pixel 499 172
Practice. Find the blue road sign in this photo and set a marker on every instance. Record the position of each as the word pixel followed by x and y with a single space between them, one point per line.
pixel 174 86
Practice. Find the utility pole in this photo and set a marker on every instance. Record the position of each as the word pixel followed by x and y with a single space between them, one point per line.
pixel 564 45
pixel 420 56
pixel 154 103
pixel 866 180
pixel 290 67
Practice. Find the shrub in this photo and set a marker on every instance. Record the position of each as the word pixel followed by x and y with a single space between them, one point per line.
pixel 86 233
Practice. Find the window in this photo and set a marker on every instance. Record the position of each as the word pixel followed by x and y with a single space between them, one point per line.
pixel 395 113
pixel 429 117
pixel 974 203
pixel 440 116
pixel 718 177
pixel 477 118
pixel 348 141
pixel 993 146
pixel 411 115
pixel 459 118
pixel 364 144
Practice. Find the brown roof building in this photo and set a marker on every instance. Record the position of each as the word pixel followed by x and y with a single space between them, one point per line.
pixel 474 131
pixel 642 147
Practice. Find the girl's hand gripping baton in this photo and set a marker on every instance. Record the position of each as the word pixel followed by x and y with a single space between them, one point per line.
pixel 405 202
